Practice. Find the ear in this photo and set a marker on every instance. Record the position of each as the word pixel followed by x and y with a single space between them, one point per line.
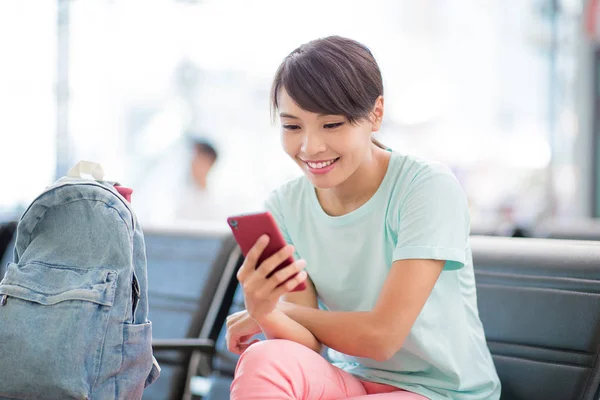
pixel 377 114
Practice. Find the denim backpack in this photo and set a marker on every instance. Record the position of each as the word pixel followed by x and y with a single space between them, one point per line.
pixel 73 304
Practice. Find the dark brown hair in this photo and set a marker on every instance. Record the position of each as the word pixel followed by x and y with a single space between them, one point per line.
pixel 332 75
pixel 204 147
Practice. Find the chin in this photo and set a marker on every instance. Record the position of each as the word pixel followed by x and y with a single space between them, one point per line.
pixel 322 182
pixel 321 186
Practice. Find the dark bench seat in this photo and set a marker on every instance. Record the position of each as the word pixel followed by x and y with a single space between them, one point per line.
pixel 539 300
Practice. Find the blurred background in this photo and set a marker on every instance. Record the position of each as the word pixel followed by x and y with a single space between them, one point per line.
pixel 503 91
pixel 172 98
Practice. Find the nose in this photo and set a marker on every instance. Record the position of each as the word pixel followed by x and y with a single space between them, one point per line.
pixel 312 143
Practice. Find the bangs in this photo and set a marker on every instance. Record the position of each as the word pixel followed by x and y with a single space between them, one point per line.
pixel 316 89
pixel 324 85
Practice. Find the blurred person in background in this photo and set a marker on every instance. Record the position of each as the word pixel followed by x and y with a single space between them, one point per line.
pixel 205 156
pixel 197 202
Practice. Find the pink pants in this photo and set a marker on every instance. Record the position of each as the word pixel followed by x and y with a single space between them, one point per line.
pixel 286 370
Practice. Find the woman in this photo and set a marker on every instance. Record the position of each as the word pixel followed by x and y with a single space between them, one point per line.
pixel 382 241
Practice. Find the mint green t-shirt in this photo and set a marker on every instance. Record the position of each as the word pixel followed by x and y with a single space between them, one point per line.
pixel 418 212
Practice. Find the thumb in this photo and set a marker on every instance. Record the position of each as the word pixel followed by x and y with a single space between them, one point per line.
pixel 244 338
pixel 244 346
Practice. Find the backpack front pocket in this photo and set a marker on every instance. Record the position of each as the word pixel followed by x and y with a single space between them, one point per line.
pixel 53 321
pixel 138 369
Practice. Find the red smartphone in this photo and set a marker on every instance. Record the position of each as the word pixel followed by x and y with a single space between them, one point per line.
pixel 247 228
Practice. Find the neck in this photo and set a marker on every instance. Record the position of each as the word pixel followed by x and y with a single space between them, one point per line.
pixel 201 183
pixel 358 188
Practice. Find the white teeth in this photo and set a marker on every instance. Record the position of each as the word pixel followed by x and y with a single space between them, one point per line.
pixel 320 164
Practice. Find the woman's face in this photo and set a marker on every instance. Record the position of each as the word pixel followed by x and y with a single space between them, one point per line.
pixel 328 148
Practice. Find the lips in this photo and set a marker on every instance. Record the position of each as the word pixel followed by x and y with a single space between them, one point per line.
pixel 320 167
pixel 320 164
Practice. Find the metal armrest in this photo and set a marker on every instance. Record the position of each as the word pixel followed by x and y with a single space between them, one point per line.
pixel 206 346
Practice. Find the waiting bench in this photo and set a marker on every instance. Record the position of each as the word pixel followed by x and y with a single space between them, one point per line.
pixel 539 300
pixel 583 229
pixel 568 229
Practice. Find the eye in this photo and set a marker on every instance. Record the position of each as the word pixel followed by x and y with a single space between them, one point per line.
pixel 333 126
pixel 289 127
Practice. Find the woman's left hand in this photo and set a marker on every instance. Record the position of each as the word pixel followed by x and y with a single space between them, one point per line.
pixel 240 329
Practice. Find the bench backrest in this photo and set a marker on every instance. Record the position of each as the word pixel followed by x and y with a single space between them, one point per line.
pixel 539 300
pixel 180 265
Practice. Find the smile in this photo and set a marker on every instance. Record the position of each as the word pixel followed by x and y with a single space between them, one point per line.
pixel 322 166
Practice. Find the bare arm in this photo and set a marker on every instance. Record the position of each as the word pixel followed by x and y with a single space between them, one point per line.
pixel 263 288
pixel 381 332
pixel 277 325
pixel 241 327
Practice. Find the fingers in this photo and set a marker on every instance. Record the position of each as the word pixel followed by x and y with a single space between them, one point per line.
pixel 279 277
pixel 233 346
pixel 238 344
pixel 254 280
pixel 233 318
pixel 264 288
pixel 249 275
pixel 240 329
pixel 233 341
pixel 252 257
pixel 271 263
pixel 290 284
pixel 239 348
pixel 243 346
pixel 258 277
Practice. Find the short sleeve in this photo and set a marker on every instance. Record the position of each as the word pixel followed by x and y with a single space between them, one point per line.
pixel 272 204
pixel 433 220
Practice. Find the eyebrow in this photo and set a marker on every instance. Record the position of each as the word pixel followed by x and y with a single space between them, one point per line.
pixel 285 115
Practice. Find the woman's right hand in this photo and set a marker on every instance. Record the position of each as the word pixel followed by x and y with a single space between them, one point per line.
pixel 261 294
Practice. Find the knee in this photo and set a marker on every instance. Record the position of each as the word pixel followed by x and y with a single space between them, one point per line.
pixel 270 367
pixel 268 351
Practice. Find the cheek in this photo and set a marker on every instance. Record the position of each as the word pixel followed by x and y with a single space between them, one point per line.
pixel 365 139
pixel 289 144
pixel 355 141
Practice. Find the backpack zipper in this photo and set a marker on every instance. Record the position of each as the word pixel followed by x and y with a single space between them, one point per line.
pixel 3 299
pixel 135 296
